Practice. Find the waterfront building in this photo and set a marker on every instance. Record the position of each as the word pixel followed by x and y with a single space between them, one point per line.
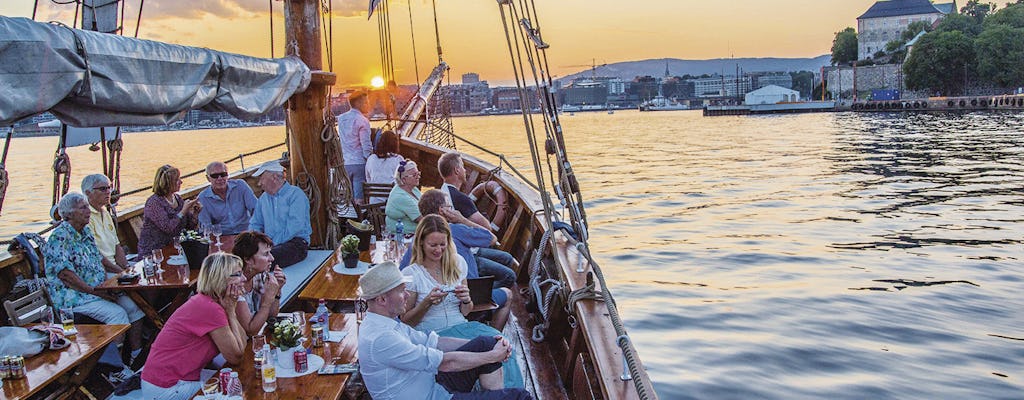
pixel 506 99
pixel 470 77
pixel 778 78
pixel 722 86
pixel 886 20
pixel 471 97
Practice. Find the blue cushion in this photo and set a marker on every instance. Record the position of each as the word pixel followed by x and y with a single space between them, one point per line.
pixel 301 272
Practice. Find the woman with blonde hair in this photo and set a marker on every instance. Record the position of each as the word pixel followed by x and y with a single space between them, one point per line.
pixel 206 325
pixel 439 298
pixel 166 214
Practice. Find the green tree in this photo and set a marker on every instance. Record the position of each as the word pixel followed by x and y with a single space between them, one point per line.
pixel 1000 55
pixel 961 23
pixel 913 29
pixel 977 10
pixel 1012 15
pixel 844 47
pixel 940 61
pixel 803 82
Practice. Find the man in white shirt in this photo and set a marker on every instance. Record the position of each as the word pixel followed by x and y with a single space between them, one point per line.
pixel 354 134
pixel 397 361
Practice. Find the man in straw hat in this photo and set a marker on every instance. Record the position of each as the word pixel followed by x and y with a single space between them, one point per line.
pixel 397 361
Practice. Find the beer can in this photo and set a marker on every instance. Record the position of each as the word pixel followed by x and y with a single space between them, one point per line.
pixel 258 360
pixel 301 364
pixel 225 380
pixel 317 335
pixel 17 364
pixel 5 367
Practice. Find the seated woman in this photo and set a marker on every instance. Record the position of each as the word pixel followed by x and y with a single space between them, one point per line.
pixel 403 202
pixel 438 295
pixel 381 165
pixel 203 327
pixel 166 214
pixel 261 297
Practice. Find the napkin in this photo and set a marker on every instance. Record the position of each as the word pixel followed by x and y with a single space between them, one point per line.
pixel 336 336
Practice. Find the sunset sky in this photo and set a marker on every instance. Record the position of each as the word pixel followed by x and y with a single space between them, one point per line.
pixel 473 39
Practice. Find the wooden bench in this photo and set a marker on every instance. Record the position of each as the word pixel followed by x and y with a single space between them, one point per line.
pixel 301 272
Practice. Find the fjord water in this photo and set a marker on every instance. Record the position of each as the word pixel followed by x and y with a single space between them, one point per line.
pixel 772 257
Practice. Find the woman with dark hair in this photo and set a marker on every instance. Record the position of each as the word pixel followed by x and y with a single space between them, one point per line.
pixel 166 214
pixel 381 165
pixel 439 298
pixel 202 328
pixel 261 297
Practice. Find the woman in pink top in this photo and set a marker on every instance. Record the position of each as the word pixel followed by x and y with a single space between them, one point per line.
pixel 203 327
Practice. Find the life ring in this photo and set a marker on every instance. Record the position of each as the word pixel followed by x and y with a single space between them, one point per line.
pixel 498 196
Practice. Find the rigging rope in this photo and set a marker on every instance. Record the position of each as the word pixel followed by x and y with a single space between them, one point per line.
pixel 415 62
pixel 568 188
pixel 270 7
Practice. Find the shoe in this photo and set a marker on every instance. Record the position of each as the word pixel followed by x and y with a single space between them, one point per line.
pixel 116 377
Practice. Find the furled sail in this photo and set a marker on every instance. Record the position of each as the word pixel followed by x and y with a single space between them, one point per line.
pixel 91 79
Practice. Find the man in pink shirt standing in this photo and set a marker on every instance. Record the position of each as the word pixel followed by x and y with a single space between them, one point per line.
pixel 354 134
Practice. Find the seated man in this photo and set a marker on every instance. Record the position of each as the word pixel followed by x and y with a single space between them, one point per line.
pixel 453 171
pixel 227 202
pixel 97 190
pixel 398 362
pixel 469 236
pixel 282 212
pixel 74 269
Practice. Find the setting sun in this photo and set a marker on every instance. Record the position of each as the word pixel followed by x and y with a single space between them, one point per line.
pixel 377 82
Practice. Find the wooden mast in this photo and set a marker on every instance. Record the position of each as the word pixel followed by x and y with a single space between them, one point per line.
pixel 305 110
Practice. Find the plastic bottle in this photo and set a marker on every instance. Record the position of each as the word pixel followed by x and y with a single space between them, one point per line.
pixel 234 387
pixel 323 317
pixel 269 371
pixel 399 240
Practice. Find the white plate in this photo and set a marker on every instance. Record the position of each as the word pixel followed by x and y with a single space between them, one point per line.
pixel 358 270
pixel 176 260
pixel 313 361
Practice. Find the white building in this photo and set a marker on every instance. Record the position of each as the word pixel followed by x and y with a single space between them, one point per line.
pixel 771 94
pixel 886 20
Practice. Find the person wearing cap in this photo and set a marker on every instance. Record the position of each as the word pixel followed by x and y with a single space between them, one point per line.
pixel 354 134
pixel 226 202
pixel 396 360
pixel 282 213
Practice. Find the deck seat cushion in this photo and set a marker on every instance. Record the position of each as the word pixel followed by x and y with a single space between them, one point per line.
pixel 300 273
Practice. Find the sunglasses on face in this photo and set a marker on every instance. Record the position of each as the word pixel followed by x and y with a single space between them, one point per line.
pixel 218 175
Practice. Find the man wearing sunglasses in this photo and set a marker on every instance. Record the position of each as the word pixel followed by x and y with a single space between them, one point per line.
pixel 227 202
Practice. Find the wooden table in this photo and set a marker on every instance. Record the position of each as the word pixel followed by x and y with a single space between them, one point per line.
pixel 175 277
pixel 310 386
pixel 332 286
pixel 57 365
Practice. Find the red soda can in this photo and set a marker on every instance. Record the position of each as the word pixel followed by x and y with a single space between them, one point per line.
pixel 301 363
pixel 225 380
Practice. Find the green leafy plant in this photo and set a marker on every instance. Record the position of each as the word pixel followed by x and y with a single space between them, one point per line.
pixel 286 334
pixel 350 244
pixel 189 235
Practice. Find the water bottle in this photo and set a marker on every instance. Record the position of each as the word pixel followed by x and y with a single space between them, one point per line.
pixel 234 387
pixel 269 371
pixel 399 240
pixel 323 316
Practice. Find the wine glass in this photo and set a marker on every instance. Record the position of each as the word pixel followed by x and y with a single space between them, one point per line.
pixel 46 316
pixel 177 246
pixel 158 258
pixel 216 231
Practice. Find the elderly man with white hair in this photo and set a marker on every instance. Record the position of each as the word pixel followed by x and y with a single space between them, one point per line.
pixel 74 268
pixel 282 212
pixel 96 188
pixel 397 361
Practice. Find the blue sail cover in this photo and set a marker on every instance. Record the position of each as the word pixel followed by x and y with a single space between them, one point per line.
pixel 91 79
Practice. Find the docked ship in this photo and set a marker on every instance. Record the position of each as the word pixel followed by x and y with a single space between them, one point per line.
pixel 662 103
pixel 564 322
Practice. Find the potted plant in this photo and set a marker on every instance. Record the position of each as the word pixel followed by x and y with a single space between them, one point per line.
pixel 350 251
pixel 287 338
pixel 195 246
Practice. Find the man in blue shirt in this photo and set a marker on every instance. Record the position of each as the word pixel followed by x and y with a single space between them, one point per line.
pixel 398 362
pixel 227 202
pixel 282 212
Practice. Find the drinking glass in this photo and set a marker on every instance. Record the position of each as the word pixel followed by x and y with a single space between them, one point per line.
pixel 177 246
pixel 257 343
pixel 67 319
pixel 211 389
pixel 300 318
pixel 46 316
pixel 216 231
pixel 158 258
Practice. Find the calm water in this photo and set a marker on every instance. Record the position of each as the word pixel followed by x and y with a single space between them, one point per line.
pixel 779 257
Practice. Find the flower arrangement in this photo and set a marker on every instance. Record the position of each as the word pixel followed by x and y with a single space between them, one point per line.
pixel 350 244
pixel 189 235
pixel 286 334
